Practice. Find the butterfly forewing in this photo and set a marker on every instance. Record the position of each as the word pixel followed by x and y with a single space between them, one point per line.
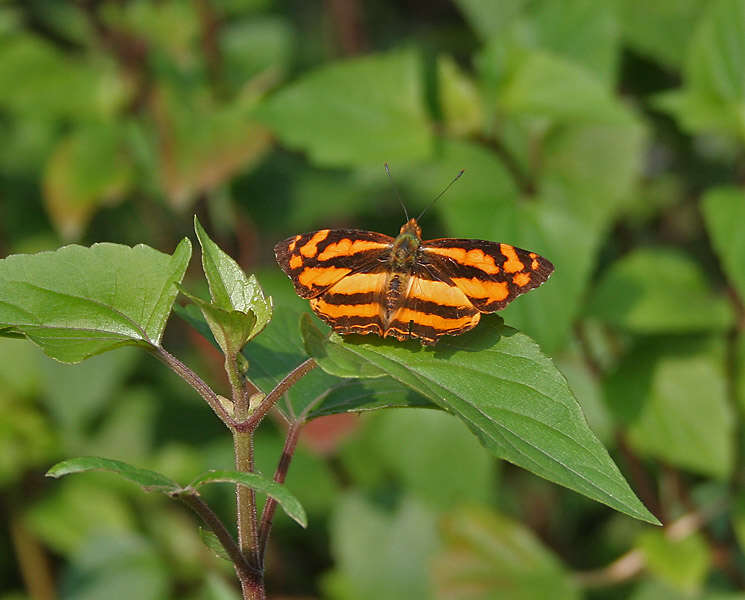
pixel 490 274
pixel 317 260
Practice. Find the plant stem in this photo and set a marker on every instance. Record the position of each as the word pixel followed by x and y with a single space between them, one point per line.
pixel 633 562
pixel 199 506
pixel 197 383
pixel 247 556
pixel 293 434
pixel 245 498
pixel 273 397
pixel 32 560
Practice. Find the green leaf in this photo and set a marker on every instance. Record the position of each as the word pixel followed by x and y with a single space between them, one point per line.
pixel 276 352
pixel 460 100
pixel 367 542
pixel 724 212
pixel 116 566
pixel 697 113
pixel 355 112
pixel 586 386
pixel 39 79
pixel 202 144
pixel 256 46
pixel 716 63
pixel 363 395
pixel 443 465
pixel 583 31
pixel 77 509
pixel 76 302
pixel 642 23
pixel 489 18
pixel 230 288
pixel 681 563
pixel 657 290
pixel 231 329
pixel 333 358
pixel 512 397
pixel 544 85
pixel 672 394
pixel 487 555
pixel 147 479
pixel 279 492
pixel 77 396
pixel 210 540
pixel 713 97
pixel 89 168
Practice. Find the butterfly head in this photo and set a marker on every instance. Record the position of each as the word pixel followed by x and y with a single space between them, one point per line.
pixel 411 227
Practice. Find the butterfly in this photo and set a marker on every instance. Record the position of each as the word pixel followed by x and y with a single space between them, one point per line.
pixel 366 282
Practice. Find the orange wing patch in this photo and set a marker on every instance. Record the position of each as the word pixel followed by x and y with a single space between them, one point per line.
pixel 317 260
pixel 479 290
pixel 348 247
pixel 310 248
pixel 512 264
pixel 353 304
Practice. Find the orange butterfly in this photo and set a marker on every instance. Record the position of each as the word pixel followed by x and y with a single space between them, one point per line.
pixel 366 282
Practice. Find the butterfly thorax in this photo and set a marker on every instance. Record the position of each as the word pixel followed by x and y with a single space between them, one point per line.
pixel 405 246
pixel 401 263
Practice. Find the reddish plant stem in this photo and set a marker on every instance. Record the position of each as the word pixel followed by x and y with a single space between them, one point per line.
pixel 210 26
pixel 197 383
pixel 346 19
pixel 273 397
pixel 293 434
pixel 244 570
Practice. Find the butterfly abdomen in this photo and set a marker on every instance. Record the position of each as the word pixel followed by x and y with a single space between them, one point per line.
pixel 394 296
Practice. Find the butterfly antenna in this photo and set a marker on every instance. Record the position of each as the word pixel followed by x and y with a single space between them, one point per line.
pixel 442 193
pixel 398 194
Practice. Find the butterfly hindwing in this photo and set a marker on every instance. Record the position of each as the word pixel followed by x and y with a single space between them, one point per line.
pixel 317 260
pixel 354 304
pixel 432 308
pixel 490 274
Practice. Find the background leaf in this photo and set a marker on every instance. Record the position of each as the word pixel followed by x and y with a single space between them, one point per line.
pixel 335 130
pixel 724 210
pixel 366 542
pixel 675 404
pixel 681 563
pixel 658 291
pixel 487 554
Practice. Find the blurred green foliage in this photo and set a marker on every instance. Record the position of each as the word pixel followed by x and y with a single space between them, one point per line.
pixel 606 135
